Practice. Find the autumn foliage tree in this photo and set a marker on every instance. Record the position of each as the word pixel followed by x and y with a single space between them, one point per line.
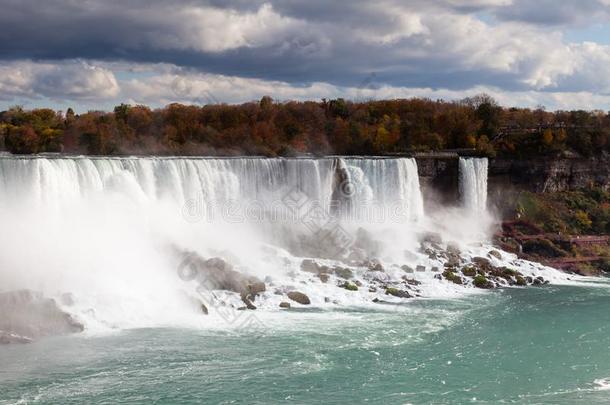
pixel 270 128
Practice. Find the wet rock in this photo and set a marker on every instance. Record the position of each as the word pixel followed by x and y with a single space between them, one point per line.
pixel 434 269
pixel 407 269
pixel 299 297
pixel 452 261
pixel 372 289
pixel 420 268
pixel 256 288
pixel 469 271
pixel 520 281
pixel 539 281
pixel 374 265
pixel 28 315
pixel 326 299
pixel 246 300
pixel 496 254
pixel 349 286
pixel 481 281
pixel 323 277
pixel 451 276
pixel 481 262
pixel 284 304
pixel 411 281
pixel 219 274
pixel 343 272
pixel 395 292
pixel 311 266
pixel 204 309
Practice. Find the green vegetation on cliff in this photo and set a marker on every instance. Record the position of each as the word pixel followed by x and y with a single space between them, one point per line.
pixel 586 211
pixel 330 126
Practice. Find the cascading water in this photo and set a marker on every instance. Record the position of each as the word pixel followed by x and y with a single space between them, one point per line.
pixel 101 226
pixel 113 231
pixel 473 184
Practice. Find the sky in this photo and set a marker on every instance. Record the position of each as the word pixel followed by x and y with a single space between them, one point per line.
pixel 95 54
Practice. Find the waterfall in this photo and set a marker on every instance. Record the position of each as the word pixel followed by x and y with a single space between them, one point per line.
pixel 354 183
pixel 473 184
pixel 388 186
pixel 113 230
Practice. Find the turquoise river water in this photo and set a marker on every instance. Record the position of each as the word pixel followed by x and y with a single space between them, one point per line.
pixel 547 345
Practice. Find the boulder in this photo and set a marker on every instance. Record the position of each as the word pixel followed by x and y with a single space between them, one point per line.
pixel 481 281
pixel 469 271
pixel 299 297
pixel 323 277
pixel 406 268
pixel 481 261
pixel 256 288
pixel 496 254
pixel 311 266
pixel 420 268
pixel 343 272
pixel 374 265
pixel 218 274
pixel 451 276
pixel 246 300
pixel 395 292
pixel 27 315
pixel 411 281
pixel 284 304
pixel 349 286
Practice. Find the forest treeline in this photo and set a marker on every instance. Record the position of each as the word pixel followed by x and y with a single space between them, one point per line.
pixel 292 128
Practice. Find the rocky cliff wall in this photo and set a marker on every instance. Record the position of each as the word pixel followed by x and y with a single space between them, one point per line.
pixel 439 177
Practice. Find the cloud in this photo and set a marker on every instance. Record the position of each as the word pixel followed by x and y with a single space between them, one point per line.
pixel 63 49
pixel 72 80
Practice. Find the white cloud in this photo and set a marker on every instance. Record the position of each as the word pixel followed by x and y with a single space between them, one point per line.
pixel 72 80
pixel 240 50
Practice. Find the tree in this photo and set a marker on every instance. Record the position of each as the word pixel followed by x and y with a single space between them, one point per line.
pixel 547 137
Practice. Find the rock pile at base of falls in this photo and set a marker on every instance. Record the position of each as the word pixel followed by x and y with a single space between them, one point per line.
pixel 27 315
pixel 217 274
pixel 359 281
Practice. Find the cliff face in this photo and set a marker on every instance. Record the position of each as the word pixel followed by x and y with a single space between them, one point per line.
pixel 549 175
pixel 439 177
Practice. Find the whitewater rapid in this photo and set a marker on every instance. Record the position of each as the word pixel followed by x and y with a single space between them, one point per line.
pixel 105 235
